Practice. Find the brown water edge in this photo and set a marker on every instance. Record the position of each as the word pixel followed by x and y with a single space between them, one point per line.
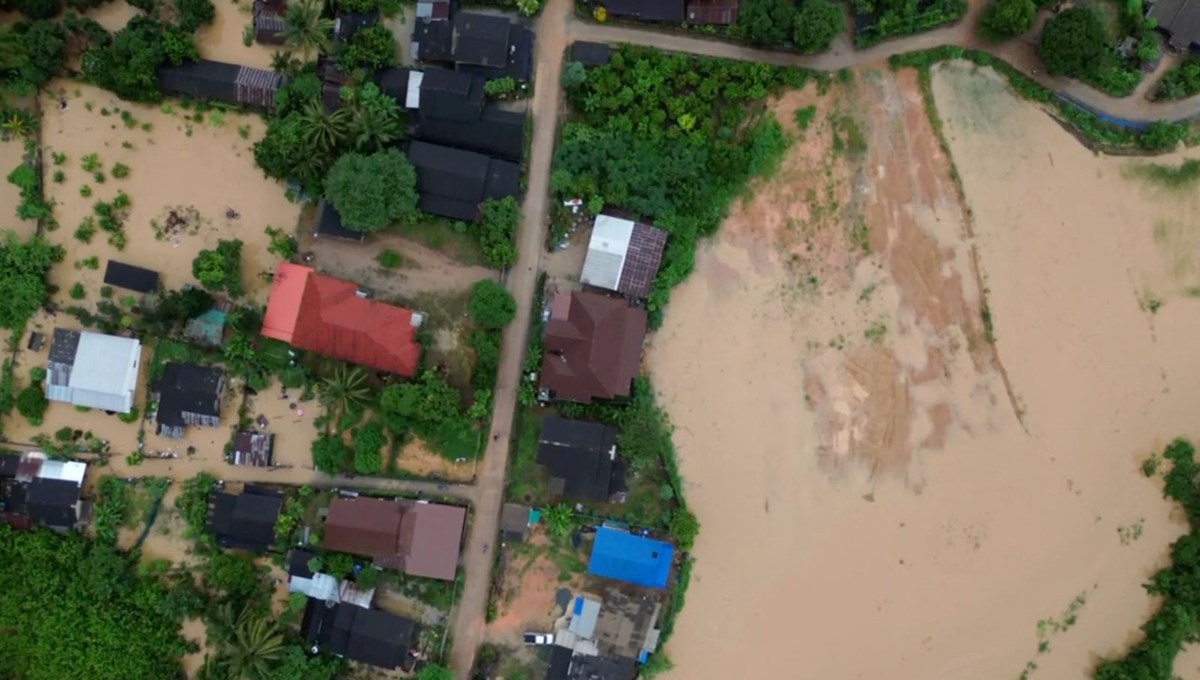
pixel 946 574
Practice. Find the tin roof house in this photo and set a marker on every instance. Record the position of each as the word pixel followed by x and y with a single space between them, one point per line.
pixel 581 458
pixel 218 81
pixel 368 636
pixel 623 256
pixel 189 394
pixel 36 491
pixel 93 370
pixel 629 558
pixel 244 521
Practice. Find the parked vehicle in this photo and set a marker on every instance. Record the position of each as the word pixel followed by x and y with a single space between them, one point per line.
pixel 539 638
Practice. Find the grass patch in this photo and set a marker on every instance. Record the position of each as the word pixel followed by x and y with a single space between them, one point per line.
pixel 1180 177
pixel 804 117
pixel 447 238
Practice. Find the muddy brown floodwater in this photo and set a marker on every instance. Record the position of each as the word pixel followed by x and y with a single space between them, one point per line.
pixel 865 478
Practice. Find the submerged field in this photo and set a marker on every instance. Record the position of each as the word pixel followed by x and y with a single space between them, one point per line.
pixel 871 470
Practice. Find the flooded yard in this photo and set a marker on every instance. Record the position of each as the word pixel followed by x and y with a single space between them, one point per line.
pixel 896 475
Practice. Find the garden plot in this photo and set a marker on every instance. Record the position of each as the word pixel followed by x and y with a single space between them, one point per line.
pixel 176 182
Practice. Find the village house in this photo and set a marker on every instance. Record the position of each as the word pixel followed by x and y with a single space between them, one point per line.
pixel 244 521
pixel 128 276
pixel 329 225
pixel 592 347
pixel 93 370
pixel 581 458
pixel 515 522
pixel 623 625
pixel 492 47
pixel 221 82
pixel 662 11
pixel 566 664
pixel 629 558
pixel 334 318
pixel 623 256
pixel 320 586
pixel 453 182
pixel 252 448
pixel 416 537
pixel 368 636
pixel 590 53
pixel 268 21
pixel 188 394
pixel 1179 20
pixel 36 491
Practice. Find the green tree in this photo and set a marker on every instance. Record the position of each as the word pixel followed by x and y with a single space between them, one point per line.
pixel 573 75
pixel 499 86
pixel 559 519
pixel 375 118
pixel 817 23
pixel 35 9
pixel 1073 43
pixel 287 151
pixel 192 14
pixel 1003 19
pixel 373 192
pixel 529 7
pixel 329 454
pixel 23 267
pixel 346 388
pixel 306 29
pixel 31 53
pixel 435 671
pixel 765 22
pixel 31 403
pixel 498 231
pixel 427 399
pixel 324 130
pixel 256 647
pixel 128 65
pixel 373 47
pixel 220 269
pixel 491 306
pixel 368 440
pixel 684 528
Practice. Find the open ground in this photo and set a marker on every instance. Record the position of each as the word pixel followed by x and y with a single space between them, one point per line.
pixel 861 468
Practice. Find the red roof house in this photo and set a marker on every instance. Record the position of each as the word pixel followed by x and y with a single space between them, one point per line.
pixel 329 316
pixel 593 347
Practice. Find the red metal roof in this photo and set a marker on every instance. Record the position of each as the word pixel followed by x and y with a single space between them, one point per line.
pixel 325 315
pixel 718 12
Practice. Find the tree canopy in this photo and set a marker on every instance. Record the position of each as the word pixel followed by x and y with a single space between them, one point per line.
pixel 220 269
pixel 491 306
pixel 1007 18
pixel 23 267
pixel 1073 43
pixel 818 22
pixel 765 22
pixel 31 53
pixel 373 192
pixel 128 64
pixel 372 47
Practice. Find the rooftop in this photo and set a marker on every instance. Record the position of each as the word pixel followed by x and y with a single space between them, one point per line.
pixel 480 39
pixel 419 538
pixel 590 53
pixel 244 521
pixel 623 255
pixel 128 276
pixel 328 316
pixel 622 556
pixel 188 389
pixel 593 347
pixel 580 457
pixel 432 40
pixel 367 636
pixel 669 11
pixel 93 370
pixel 252 448
pixel 1180 19
pixel 229 83
pixel 712 12
pixel 329 225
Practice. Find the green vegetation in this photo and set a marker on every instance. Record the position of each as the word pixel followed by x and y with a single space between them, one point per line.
pixel 220 269
pixel 329 454
pixel 368 440
pixel 31 53
pixel 574 74
pixel 676 150
pixel 491 306
pixel 120 171
pixel 1180 82
pixel 23 267
pixel 817 22
pixel 389 259
pixel 433 410
pixel 498 231
pixel 1075 43
pixel 74 608
pixel 373 47
pixel 435 671
pixel 1003 19
pixel 878 20
pixel 373 192
pixel 306 29
pixel 128 63
pixel 1174 624
pixel 1182 177
pixel 765 22
pixel 498 87
pixel 31 206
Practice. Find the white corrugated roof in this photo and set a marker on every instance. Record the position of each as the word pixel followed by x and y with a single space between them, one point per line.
pixel 66 470
pixel 104 374
pixel 412 99
pixel 606 252
pixel 585 611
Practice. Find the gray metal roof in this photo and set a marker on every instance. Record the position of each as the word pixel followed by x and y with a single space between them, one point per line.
pixel 102 373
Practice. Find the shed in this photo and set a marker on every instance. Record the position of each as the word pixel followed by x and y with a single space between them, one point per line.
pixel 93 370
pixel 252 448
pixel 590 53
pixel 208 328
pixel 268 22
pixel 395 83
pixel 585 612
pixel 480 39
pixel 229 83
pixel 515 521
pixel 518 62
pixel 622 556
pixel 623 256
pixel 712 12
pixel 329 225
pixel 666 11
pixel 128 276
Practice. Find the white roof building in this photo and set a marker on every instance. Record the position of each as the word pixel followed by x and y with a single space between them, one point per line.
pixel 93 370
pixel 623 255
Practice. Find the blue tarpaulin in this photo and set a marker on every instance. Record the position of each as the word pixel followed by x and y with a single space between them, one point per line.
pixel 622 556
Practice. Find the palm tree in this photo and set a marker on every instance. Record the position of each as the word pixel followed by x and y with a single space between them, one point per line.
pixel 346 388
pixel 18 124
pixel 306 29
pixel 256 646
pixel 323 131
pixel 375 124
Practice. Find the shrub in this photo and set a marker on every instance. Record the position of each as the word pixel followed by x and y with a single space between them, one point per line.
pixel 368 439
pixel 37 374
pixel 1004 19
pixel 574 74
pixel 500 86
pixel 497 232
pixel 120 171
pixel 389 259
pixel 77 292
pixel 818 22
pixel 220 269
pixel 374 47
pixel 31 403
pixel 329 454
pixel 491 306
pixel 130 417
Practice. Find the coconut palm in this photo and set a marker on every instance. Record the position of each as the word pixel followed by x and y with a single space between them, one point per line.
pixel 257 645
pixel 305 28
pixel 17 123
pixel 376 121
pixel 346 388
pixel 324 130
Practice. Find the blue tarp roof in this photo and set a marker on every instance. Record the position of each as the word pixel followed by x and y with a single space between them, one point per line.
pixel 621 556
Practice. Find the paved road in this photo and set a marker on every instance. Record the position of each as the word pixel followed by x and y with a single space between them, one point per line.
pixel 522 280
pixel 555 29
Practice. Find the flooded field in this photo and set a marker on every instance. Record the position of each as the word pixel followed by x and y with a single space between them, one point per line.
pixel 896 476
pixel 11 155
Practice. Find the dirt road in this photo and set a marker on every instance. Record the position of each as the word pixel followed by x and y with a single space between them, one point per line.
pixel 531 238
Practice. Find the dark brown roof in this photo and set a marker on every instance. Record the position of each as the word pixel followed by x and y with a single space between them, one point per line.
pixel 718 12
pixel 1180 19
pixel 670 11
pixel 593 347
pixel 363 526
pixel 252 448
pixel 436 536
pixel 421 539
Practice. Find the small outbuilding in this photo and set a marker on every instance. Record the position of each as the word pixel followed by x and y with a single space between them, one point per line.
pixel 128 276
pixel 252 448
pixel 622 556
pixel 1179 20
pixel 244 521
pixel 515 522
pixel 329 225
pixel 218 81
pixel 93 370
pixel 663 11
pixel 268 21
pixel 590 53
pixel 189 394
pixel 712 12
pixel 623 256
pixel 437 10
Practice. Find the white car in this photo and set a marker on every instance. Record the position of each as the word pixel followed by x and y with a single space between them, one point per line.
pixel 539 638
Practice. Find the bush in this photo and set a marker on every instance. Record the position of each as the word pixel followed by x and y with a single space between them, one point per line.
pixel 818 22
pixel 220 269
pixel 498 230
pixel 23 267
pixel 1162 136
pixel 131 417
pixel 765 22
pixel 329 454
pixel 1073 43
pixel 491 306
pixel 120 171
pixel 373 192
pixel 573 75
pixel 37 374
pixel 1004 19
pixel 192 14
pixel 368 439
pixel 31 403
pixel 372 47
pixel 389 259
pixel 500 86
pixel 77 292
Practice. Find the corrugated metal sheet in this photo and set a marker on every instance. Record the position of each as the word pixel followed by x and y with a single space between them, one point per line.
pixel 606 251
pixel 621 556
pixel 103 373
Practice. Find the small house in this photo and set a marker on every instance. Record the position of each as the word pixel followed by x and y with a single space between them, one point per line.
pixel 593 347
pixel 449 95
pixel 622 556
pixel 434 10
pixel 302 579
pixel 712 12
pixel 244 521
pixel 368 636
pixel 268 21
pixel 188 394
pixel 662 11
pixel 36 491
pixel 590 53
pixel 416 537
pixel 252 448
pixel 497 133
pixel 453 182
pixel 566 664
pixel 346 24
pixel 128 276
pixel 1179 20
pixel 218 81
pixel 209 327
pixel 329 225
pixel 432 41
pixel 623 256
pixel 581 458
pixel 480 39
pixel 331 317
pixel 93 370
pixel 515 522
